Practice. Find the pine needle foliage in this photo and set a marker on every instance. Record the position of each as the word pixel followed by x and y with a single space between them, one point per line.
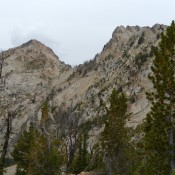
pixel 114 138
pixel 159 124
pixel 36 154
pixel 81 159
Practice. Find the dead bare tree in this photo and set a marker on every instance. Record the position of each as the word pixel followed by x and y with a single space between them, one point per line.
pixel 7 137
pixel 67 127
pixel 8 132
pixel 72 135
pixel 8 116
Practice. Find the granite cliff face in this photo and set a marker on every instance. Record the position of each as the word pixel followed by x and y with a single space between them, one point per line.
pixel 31 71
pixel 36 75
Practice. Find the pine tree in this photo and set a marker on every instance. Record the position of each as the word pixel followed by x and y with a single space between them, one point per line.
pixel 21 153
pixel 45 112
pixel 44 158
pixel 34 156
pixel 159 124
pixel 81 159
pixel 114 138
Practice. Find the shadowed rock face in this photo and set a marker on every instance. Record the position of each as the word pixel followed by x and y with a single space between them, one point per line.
pixel 36 74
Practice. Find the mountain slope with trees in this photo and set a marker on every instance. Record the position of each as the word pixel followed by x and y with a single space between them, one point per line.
pixel 75 111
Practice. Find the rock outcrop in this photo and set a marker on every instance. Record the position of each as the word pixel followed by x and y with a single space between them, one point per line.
pixel 35 75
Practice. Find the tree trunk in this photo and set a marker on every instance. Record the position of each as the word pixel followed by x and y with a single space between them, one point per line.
pixel 6 142
pixel 171 139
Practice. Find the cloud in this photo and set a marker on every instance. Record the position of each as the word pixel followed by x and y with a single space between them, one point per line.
pixel 19 35
pixel 76 30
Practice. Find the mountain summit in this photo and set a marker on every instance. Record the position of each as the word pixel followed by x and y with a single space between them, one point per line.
pixel 36 75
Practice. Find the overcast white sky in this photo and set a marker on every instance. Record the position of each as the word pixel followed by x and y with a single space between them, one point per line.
pixel 76 29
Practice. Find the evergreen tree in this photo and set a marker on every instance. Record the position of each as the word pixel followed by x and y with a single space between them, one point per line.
pixel 96 162
pixel 34 156
pixel 21 153
pixel 45 112
pixel 114 139
pixel 159 124
pixel 82 156
pixel 44 158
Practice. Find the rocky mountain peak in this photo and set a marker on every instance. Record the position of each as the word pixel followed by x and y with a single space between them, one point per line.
pixel 159 26
pixel 36 46
pixel 131 39
pixel 33 41
pixel 39 76
pixel 121 30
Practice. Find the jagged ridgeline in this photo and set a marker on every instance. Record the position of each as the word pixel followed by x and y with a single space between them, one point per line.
pixel 68 107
